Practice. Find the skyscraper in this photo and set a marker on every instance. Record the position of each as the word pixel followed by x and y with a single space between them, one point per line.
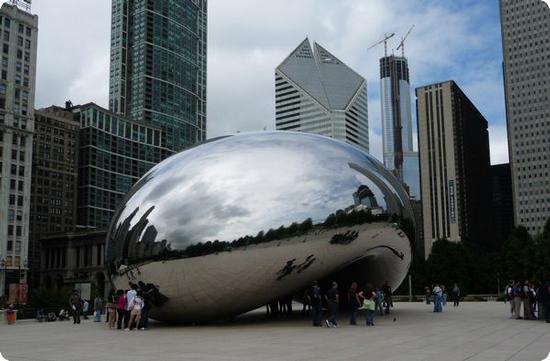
pixel 316 93
pixel 525 33
pixel 397 138
pixel 114 152
pixel 158 66
pixel 18 39
pixel 54 178
pixel 454 166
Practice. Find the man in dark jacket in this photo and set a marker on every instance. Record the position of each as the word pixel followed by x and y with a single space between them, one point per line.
pixel 545 298
pixel 75 304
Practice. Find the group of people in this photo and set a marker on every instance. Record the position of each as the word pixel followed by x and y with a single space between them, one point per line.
pixel 129 309
pixel 437 294
pixel 368 301
pixel 534 299
pixel 125 308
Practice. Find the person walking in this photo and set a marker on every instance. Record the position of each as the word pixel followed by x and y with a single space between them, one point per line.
pixel 316 304
pixel 438 295
pixel 75 305
pixel 353 303
pixel 98 308
pixel 456 295
pixel 333 300
pixel 368 309
pixel 121 309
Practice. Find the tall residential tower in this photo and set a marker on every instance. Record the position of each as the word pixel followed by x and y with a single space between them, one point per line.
pixel 316 93
pixel 18 38
pixel 158 66
pixel 525 36
pixel 397 136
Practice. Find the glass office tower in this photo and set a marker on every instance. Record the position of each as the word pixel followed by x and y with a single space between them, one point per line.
pixel 158 66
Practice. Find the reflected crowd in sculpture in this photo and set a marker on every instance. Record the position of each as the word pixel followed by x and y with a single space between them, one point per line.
pixel 240 221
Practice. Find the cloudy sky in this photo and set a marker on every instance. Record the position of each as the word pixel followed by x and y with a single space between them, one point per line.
pixel 247 39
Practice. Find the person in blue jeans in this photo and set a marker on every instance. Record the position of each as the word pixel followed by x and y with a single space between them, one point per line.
pixel 315 300
pixel 353 303
pixel 438 298
pixel 368 309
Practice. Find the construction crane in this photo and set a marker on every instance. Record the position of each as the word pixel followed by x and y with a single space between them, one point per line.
pixel 402 43
pixel 385 41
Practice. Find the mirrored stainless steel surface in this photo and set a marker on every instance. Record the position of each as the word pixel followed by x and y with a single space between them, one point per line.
pixel 237 222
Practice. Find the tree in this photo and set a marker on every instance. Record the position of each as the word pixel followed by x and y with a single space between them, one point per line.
pixel 450 263
pixel 518 255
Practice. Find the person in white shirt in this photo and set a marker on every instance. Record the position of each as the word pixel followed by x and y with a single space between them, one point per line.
pixel 135 311
pixel 130 295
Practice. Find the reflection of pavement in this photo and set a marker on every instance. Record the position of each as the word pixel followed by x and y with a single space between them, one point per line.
pixel 233 282
pixel 474 331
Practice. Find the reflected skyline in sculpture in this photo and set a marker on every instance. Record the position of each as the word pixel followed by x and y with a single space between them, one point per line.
pixel 255 191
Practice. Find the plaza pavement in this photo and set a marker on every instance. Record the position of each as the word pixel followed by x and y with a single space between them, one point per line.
pixel 474 331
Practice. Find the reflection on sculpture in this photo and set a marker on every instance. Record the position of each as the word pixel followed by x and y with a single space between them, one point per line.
pixel 256 217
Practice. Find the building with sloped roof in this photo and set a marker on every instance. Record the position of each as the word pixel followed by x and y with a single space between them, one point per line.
pixel 315 92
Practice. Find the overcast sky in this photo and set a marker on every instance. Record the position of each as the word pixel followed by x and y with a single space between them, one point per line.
pixel 247 39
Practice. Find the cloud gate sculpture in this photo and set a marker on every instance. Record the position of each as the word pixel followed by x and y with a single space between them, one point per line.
pixel 240 221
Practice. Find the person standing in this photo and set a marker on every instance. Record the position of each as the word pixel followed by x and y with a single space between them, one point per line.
pixel 368 309
pixel 508 297
pixel 316 304
pixel 526 298
pixel 386 290
pixel 120 302
pixel 75 304
pixel 333 300
pixel 456 295
pixel 130 295
pixel 379 301
pixel 546 301
pixel 145 310
pixel 98 307
pixel 85 308
pixel 353 303
pixel 135 311
pixel 428 294
pixel 111 314
pixel 516 297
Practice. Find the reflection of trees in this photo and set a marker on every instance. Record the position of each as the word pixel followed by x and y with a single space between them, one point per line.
pixel 335 220
pixel 355 217
pixel 139 243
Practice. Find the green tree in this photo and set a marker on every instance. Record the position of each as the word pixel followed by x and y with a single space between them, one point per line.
pixel 518 255
pixel 450 263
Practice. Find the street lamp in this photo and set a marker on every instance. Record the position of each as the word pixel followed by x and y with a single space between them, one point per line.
pixel 4 265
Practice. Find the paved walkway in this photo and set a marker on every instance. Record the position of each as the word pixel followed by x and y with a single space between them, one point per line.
pixel 474 331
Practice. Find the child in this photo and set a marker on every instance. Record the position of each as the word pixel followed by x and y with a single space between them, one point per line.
pixel 368 309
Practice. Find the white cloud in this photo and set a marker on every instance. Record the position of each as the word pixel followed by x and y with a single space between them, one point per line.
pixel 247 39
